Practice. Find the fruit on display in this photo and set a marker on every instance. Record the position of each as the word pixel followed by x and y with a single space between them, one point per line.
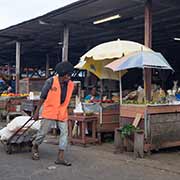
pixel 14 94
pixel 89 113
pixel 142 103
pixel 102 101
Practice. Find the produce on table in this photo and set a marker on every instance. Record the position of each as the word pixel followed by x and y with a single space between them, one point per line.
pixel 102 101
pixel 14 94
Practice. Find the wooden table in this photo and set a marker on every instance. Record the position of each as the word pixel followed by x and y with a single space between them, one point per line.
pixel 82 120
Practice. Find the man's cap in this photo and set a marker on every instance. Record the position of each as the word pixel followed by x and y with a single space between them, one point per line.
pixel 64 68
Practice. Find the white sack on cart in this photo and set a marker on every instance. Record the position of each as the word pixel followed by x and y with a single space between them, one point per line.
pixel 17 123
pixel 5 134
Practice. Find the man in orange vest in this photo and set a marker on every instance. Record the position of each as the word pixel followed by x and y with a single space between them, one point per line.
pixel 55 97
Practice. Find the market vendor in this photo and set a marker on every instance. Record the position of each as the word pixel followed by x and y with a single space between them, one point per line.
pixel 93 95
pixel 55 98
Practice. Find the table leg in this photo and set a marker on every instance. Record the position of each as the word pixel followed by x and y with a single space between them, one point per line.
pixel 99 137
pixel 94 129
pixel 83 133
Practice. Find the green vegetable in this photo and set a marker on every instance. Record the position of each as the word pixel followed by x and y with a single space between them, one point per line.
pixel 127 130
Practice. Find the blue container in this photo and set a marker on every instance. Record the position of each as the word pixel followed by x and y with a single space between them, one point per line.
pixel 177 97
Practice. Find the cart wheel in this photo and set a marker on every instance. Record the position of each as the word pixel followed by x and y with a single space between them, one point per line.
pixel 8 149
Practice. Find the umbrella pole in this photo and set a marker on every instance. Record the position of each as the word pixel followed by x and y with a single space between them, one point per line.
pixel 120 87
pixel 101 108
pixel 144 78
pixel 147 84
pixel 120 96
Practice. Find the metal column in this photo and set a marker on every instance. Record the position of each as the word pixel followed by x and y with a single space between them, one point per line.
pixel 18 54
pixel 65 44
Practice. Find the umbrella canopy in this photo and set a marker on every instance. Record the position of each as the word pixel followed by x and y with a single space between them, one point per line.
pixel 113 49
pixel 142 59
pixel 97 68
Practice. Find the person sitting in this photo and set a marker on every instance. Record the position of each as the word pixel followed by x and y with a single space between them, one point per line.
pixel 93 95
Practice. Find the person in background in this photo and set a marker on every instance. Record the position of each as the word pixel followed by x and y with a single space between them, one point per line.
pixel 9 88
pixel 55 98
pixel 13 84
pixel 3 85
pixel 93 95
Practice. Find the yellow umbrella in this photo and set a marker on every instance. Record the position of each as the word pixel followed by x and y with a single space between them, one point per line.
pixel 114 49
pixel 98 68
pixel 98 57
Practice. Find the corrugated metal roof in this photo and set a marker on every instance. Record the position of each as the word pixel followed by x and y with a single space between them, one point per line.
pixel 39 39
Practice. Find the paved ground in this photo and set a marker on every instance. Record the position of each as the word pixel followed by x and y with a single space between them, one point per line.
pixel 94 162
pixel 91 163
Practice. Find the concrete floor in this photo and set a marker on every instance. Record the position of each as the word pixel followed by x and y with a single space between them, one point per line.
pixel 90 163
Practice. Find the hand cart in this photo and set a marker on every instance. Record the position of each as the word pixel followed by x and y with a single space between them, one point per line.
pixel 20 140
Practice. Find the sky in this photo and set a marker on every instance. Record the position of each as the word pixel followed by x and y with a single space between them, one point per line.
pixel 16 11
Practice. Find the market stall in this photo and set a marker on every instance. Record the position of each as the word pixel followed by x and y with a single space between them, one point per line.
pixel 95 61
pixel 107 113
pixel 15 104
pixel 160 118
pixel 10 105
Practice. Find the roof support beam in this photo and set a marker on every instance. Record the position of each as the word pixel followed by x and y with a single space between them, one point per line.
pixel 65 43
pixel 148 43
pixel 47 65
pixel 18 54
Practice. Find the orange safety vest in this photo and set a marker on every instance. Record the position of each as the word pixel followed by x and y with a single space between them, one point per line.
pixel 52 108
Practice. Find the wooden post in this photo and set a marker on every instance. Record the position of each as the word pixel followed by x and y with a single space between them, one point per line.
pixel 9 69
pixel 148 43
pixel 65 44
pixel 139 144
pixel 18 54
pixel 47 65
pixel 118 141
